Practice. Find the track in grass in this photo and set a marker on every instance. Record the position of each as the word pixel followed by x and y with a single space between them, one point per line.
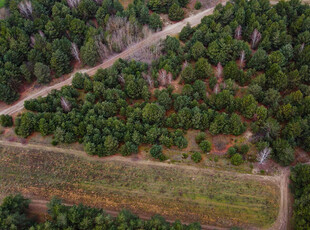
pixel 185 193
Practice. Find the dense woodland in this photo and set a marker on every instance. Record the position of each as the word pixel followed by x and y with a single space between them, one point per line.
pixel 13 215
pixel 300 177
pixel 42 39
pixel 245 66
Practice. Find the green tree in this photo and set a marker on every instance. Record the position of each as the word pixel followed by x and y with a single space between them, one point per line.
pixel 205 146
pixel 282 152
pixel 198 50
pixel 196 157
pixel 203 69
pixel 60 62
pixel 42 73
pixel 6 120
pixel 89 53
pixel 176 13
pixel 236 159
pixel 188 75
pixel 155 22
pixel 185 32
pixel 153 113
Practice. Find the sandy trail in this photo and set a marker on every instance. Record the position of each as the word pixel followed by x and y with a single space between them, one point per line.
pixel 155 37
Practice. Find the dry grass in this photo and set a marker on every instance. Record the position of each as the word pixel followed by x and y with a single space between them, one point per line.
pixel 189 194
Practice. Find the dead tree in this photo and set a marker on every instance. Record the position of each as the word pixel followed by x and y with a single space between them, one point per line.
pixel 41 34
pixel 302 47
pixel 256 37
pixel 238 33
pixel 162 77
pixel 185 64
pixel 121 80
pixel 32 41
pixel 148 80
pixel 219 71
pixel 263 155
pixel 75 52
pixel 25 8
pixel 65 104
pixel 242 59
pixel 73 3
pixel 216 89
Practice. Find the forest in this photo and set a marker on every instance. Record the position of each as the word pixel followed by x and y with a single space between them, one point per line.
pixel 244 67
pixel 13 215
pixel 300 177
pixel 42 39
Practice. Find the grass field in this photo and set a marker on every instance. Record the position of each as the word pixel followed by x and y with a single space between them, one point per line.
pixel 186 193
pixel 2 3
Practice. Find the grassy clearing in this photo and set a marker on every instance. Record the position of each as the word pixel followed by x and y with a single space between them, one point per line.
pixel 217 198
pixel 2 3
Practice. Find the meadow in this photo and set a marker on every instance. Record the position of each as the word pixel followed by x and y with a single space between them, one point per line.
pixel 190 194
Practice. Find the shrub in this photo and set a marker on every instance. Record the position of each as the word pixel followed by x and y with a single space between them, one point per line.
pixel 231 151
pixel 236 159
pixel 156 151
pixel 6 120
pixel 200 137
pixel 198 5
pixel 196 157
pixel 205 146
pixel 244 149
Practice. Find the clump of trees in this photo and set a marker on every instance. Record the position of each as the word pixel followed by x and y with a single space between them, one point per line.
pixel 13 213
pixel 300 177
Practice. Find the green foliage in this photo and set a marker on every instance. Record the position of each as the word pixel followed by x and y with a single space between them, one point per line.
pixel 196 157
pixel 282 152
pixel 205 146
pixel 157 152
pixel 155 22
pixel 198 50
pixel 201 136
pixel 203 69
pixel 188 75
pixel 60 62
pixel 153 113
pixel 231 151
pixel 185 32
pixel 236 159
pixel 176 13
pixel 42 73
pixel 300 177
pixel 89 53
pixel 198 5
pixel 6 120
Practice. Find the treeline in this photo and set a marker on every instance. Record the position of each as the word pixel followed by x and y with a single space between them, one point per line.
pixel 300 187
pixel 41 39
pixel 13 215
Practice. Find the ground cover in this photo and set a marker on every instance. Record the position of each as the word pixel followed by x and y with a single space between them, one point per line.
pixel 176 192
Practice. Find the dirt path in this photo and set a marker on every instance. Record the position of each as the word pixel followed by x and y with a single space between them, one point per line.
pixel 169 30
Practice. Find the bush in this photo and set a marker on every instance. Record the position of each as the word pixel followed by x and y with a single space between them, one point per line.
pixel 196 157
pixel 156 151
pixel 6 120
pixel 236 159
pixel 200 137
pixel 198 5
pixel 231 151
pixel 244 149
pixel 205 146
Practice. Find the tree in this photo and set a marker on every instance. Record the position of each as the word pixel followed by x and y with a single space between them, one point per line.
pixel 89 53
pixel 196 157
pixel 201 136
pixel 176 13
pixel 144 17
pixel 42 73
pixel 185 32
pixel 205 146
pixel 60 62
pixel 282 152
pixel 78 80
pixel 157 151
pixel 198 5
pixel 110 145
pixel 153 113
pixel 25 125
pixel 236 159
pixel 155 22
pixel 6 120
pixel 203 69
pixel 259 60
pixel 198 50
pixel 188 75
pixel 164 100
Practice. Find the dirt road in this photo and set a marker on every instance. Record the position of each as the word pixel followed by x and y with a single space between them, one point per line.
pixel 155 37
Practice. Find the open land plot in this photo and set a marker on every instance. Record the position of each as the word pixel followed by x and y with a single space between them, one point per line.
pixel 146 188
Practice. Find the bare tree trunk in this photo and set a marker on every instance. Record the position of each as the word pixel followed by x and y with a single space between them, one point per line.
pixel 73 3
pixel 65 104
pixel 263 155
pixel 238 33
pixel 219 71
pixel 75 52
pixel 256 37
pixel 242 59
pixel 25 8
